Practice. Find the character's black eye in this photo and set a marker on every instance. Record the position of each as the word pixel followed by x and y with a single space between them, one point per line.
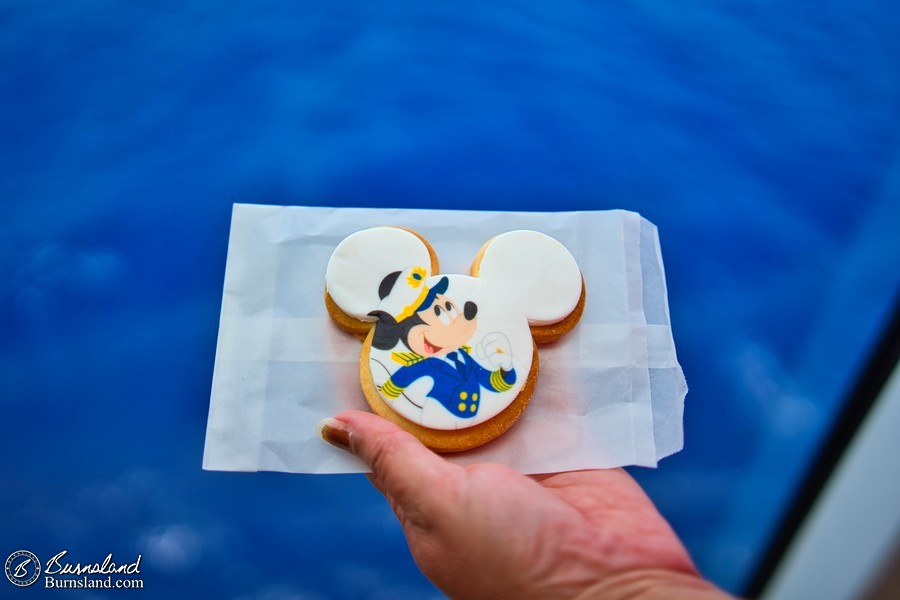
pixel 448 306
pixel 437 310
pixel 470 309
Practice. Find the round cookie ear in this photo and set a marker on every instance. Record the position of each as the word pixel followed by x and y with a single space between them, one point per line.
pixel 366 264
pixel 534 273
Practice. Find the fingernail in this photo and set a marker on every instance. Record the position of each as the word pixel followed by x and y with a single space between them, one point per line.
pixel 335 433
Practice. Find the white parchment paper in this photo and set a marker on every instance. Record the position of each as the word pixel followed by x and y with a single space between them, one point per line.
pixel 611 393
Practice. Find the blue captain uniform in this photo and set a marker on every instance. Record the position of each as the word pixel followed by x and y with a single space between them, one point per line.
pixel 457 383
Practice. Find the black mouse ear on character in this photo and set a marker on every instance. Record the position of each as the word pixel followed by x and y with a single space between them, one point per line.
pixel 537 276
pixel 375 275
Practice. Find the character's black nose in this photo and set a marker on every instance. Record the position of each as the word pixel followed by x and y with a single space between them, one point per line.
pixel 470 310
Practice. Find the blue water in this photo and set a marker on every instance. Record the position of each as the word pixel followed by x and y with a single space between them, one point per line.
pixel 762 138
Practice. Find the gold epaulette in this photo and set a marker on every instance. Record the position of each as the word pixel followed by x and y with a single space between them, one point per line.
pixel 406 358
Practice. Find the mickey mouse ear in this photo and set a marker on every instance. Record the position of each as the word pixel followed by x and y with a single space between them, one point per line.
pixel 534 271
pixel 361 261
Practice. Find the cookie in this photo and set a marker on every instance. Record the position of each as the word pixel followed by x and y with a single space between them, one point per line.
pixel 452 358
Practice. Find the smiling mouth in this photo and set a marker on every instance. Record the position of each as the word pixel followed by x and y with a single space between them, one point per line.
pixel 429 347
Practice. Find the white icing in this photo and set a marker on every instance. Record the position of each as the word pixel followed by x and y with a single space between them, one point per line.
pixel 362 260
pixel 535 272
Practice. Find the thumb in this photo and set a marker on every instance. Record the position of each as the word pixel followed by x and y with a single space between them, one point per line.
pixel 404 470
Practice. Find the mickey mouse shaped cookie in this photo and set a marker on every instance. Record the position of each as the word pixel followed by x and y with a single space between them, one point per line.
pixel 452 358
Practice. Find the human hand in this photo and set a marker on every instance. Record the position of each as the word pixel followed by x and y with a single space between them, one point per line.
pixel 486 531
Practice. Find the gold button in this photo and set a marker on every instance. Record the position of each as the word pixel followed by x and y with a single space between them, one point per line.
pixel 463 395
pixel 462 406
pixel 474 396
pixel 472 407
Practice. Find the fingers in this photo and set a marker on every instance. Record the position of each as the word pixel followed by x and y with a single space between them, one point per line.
pixel 412 477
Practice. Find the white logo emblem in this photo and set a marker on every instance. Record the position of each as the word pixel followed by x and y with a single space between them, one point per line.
pixel 22 568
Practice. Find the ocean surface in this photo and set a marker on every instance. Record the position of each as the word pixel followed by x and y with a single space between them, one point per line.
pixel 762 138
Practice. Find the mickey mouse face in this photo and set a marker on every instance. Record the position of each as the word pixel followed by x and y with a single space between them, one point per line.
pixel 438 327
pixel 451 357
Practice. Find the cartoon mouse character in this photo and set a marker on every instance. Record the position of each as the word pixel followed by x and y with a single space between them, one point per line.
pixel 436 331
pixel 451 353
